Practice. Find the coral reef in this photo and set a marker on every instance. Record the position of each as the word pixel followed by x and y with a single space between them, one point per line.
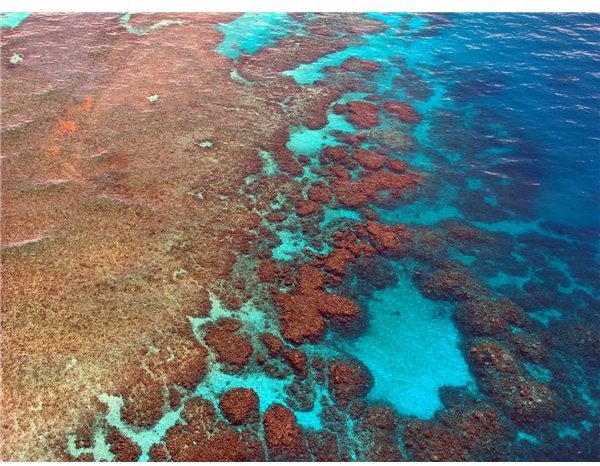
pixel 210 283
pixel 231 347
pixel 403 111
pixel 284 438
pixel 348 380
pixel 239 405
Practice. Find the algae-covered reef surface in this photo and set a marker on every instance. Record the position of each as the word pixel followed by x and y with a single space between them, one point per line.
pixel 319 237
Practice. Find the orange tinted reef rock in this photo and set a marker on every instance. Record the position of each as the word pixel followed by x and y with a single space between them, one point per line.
pixel 362 114
pixel 239 405
pixel 302 312
pixel 284 438
pixel 231 347
pixel 403 111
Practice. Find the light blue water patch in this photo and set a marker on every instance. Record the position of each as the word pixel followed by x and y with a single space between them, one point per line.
pixel 546 315
pixel 540 373
pixel 12 20
pixel 491 200
pixel 252 32
pixel 524 436
pixel 269 164
pixel 517 227
pixel 269 391
pixel 292 245
pixel 253 319
pixel 464 258
pixel 100 450
pixel 311 142
pixel 411 348
pixel 422 162
pixel 142 30
pixel 145 438
pixel 502 278
pixel 474 183
pixel 566 431
pixel 331 215
pixel 304 141
pixel 418 214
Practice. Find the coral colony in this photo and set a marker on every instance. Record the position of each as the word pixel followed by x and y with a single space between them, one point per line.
pixel 318 237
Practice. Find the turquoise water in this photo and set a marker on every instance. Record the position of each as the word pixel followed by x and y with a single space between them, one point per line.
pixel 12 20
pixel 253 31
pixel 411 348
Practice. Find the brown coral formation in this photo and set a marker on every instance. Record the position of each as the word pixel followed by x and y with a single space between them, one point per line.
pixel 348 381
pixel 231 347
pixel 450 282
pixel 297 360
pixel 362 114
pixel 473 434
pixel 204 438
pixel 369 159
pixel 388 239
pixel 303 312
pixel 273 344
pixel 123 448
pixel 482 316
pixel 358 64
pixel 239 405
pixel 402 111
pixel 369 188
pixel 284 438
pixel 307 207
pixel 377 430
pixel 501 376
pixel 319 192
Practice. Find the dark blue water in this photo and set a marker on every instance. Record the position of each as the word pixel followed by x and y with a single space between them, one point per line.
pixel 539 77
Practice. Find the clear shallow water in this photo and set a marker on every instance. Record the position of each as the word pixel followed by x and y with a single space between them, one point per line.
pixel 411 348
pixel 253 31
pixel 12 20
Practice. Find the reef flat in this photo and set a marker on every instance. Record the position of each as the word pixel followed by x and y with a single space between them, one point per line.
pixel 287 237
